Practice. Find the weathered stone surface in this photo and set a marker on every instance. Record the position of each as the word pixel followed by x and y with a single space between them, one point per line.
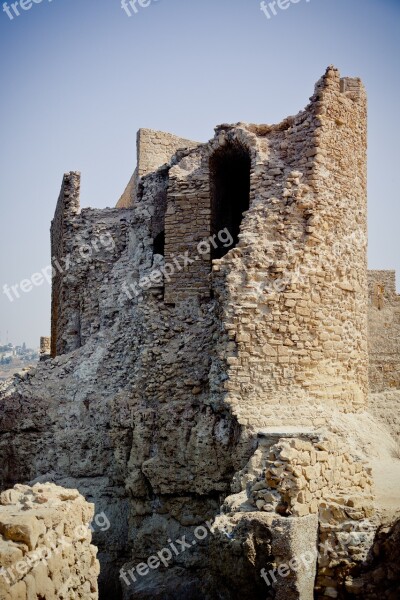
pixel 45 549
pixel 154 149
pixel 171 353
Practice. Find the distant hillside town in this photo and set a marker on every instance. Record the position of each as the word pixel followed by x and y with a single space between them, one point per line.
pixel 14 358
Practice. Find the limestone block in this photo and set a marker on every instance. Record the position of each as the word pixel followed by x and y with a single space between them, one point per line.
pixel 21 528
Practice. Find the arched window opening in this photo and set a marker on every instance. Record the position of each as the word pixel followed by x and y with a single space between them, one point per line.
pixel 159 243
pixel 230 193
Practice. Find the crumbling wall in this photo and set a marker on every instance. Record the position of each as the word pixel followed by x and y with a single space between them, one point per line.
pixel 154 408
pixel 128 418
pixel 67 207
pixel 304 473
pixel 156 148
pixel 293 292
pixel 293 310
pixel 384 348
pixel 45 348
pixel 318 496
pixel 153 149
pixel 187 223
pixel 85 245
pixel 45 544
pixel 384 331
pixel 379 575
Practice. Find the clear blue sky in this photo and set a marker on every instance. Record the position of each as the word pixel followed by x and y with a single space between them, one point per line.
pixel 79 77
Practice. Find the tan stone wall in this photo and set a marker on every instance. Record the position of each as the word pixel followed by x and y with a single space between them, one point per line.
pixel 302 475
pixel 129 196
pixel 154 149
pixel 294 290
pixel 45 549
pixel 45 343
pixel 384 349
pixel 188 222
pixel 323 476
pixel 384 331
pixel 299 474
pixel 386 407
pixel 293 293
pixel 45 348
pixel 153 406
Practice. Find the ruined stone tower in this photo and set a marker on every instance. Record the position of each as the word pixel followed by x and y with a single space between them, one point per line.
pixel 292 287
pixel 210 348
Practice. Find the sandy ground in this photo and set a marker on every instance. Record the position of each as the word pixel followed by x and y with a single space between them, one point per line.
pixel 381 450
pixel 387 488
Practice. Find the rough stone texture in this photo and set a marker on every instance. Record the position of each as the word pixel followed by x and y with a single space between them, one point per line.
pixel 302 473
pixel 165 369
pixel 304 344
pixel 153 149
pixel 379 576
pixel 296 312
pixel 45 549
pixel 384 349
pixel 384 331
pixel 85 246
pixel 305 473
pixel 45 348
pixel 245 544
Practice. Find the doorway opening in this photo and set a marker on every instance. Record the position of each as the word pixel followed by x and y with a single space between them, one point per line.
pixel 159 244
pixel 230 192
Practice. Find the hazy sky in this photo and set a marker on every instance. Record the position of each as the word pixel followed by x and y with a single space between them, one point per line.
pixel 79 77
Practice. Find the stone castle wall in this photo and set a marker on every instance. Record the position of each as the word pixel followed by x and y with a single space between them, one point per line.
pixel 166 368
pixel 384 348
pixel 293 292
pixel 45 348
pixel 384 331
pixel 298 476
pixel 156 148
pixel 67 207
pixel 187 223
pixel 45 544
pixel 153 149
pixel 294 310
pixel 85 244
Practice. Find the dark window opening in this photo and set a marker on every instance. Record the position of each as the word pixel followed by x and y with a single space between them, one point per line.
pixel 230 194
pixel 159 244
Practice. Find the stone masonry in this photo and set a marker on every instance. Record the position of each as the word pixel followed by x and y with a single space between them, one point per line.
pixel 384 331
pixel 212 349
pixel 154 149
pixel 45 348
pixel 297 312
pixel 45 547
pixel 384 348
